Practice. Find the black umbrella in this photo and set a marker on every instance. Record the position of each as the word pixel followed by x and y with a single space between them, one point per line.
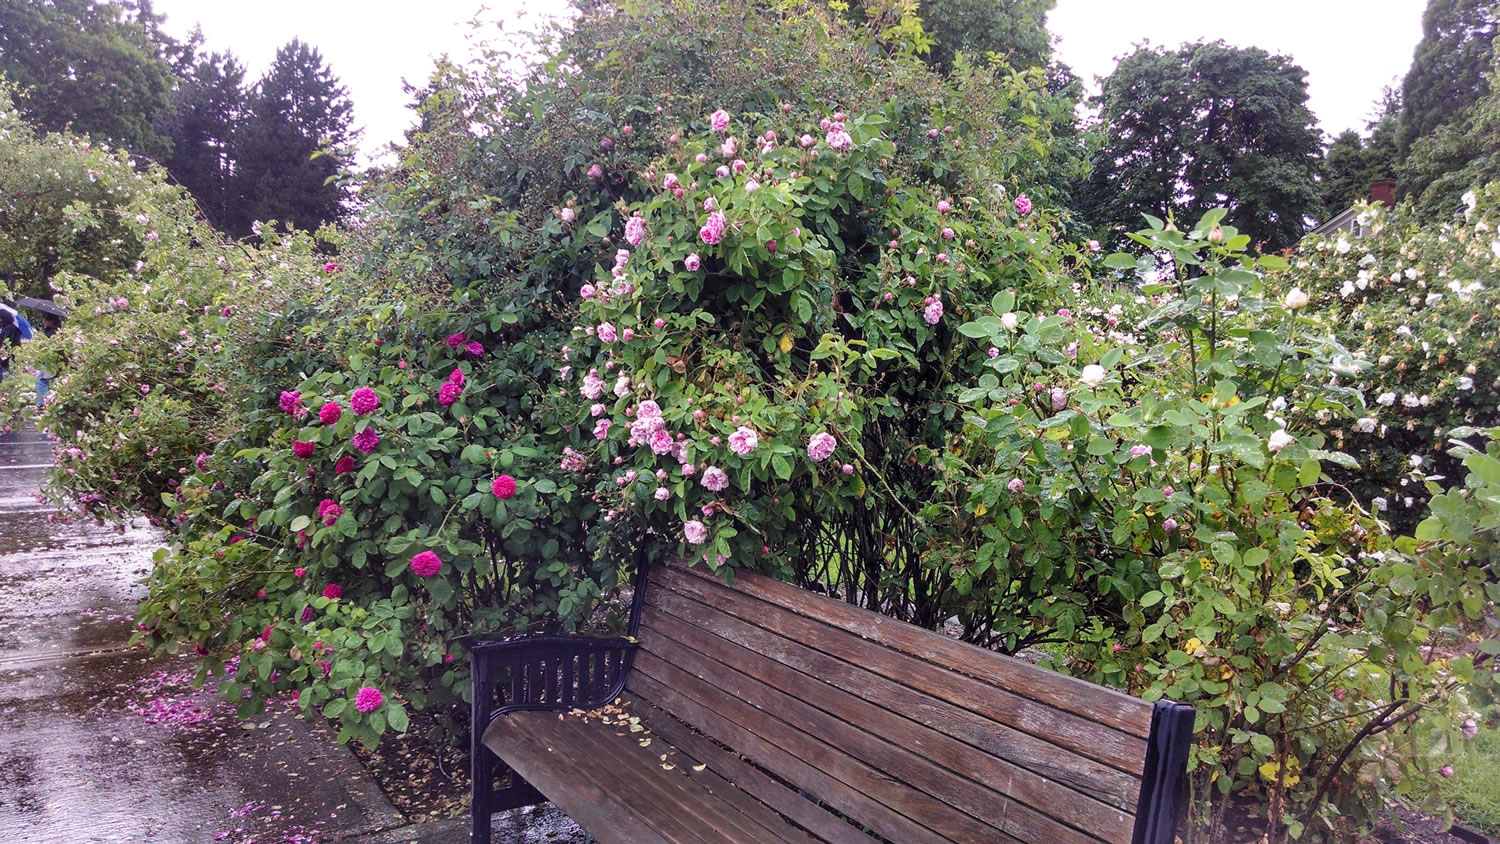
pixel 42 305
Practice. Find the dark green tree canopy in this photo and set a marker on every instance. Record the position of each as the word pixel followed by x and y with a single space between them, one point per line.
pixel 1448 70
pixel 207 108
pixel 96 68
pixel 1015 29
pixel 1204 126
pixel 296 110
pixel 1352 162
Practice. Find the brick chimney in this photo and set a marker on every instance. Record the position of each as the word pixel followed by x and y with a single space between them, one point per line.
pixel 1383 190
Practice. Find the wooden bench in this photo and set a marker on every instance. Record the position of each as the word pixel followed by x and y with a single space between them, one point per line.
pixel 761 712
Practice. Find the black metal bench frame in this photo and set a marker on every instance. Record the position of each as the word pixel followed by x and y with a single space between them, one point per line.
pixel 530 661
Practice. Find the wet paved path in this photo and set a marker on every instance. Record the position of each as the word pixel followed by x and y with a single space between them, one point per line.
pixel 101 742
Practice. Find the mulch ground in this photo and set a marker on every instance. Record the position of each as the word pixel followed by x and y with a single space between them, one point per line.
pixel 424 779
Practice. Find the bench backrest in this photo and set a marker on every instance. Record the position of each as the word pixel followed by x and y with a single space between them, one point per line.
pixel 902 730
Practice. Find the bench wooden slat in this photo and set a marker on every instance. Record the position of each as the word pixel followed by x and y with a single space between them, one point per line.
pixel 1097 703
pixel 746 729
pixel 1022 802
pixel 1040 759
pixel 676 806
pixel 743 784
pixel 996 701
pixel 887 744
pixel 573 784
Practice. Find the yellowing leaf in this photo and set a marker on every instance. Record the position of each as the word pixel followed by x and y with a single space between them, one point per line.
pixel 786 343
pixel 1288 779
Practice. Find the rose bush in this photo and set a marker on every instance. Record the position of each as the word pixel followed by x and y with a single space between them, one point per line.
pixel 1175 466
pixel 1419 301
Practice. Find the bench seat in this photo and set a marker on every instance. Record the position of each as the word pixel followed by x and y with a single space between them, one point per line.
pixel 814 720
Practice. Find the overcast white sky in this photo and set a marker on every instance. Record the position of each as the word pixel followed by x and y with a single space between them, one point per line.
pixel 1351 49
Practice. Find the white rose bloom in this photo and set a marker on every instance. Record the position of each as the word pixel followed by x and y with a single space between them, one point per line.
pixel 1415 460
pixel 1410 400
pixel 1342 247
pixel 1295 298
pixel 1278 404
pixel 1009 320
pixel 1347 290
pixel 1365 425
pixel 1379 503
pixel 1470 203
pixel 1092 375
pixel 1465 383
pixel 1433 299
pixel 1279 440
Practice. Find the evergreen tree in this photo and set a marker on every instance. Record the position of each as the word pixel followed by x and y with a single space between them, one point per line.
pixel 1352 162
pixel 208 105
pixel 98 68
pixel 1459 155
pixel 1447 74
pixel 1203 126
pixel 297 109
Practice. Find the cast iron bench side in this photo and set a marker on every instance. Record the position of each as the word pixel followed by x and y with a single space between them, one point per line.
pixel 548 673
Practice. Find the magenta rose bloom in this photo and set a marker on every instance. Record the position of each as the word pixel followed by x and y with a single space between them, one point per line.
pixel 344 465
pixel 456 377
pixel 504 486
pixel 368 699
pixel 333 591
pixel 474 348
pixel 329 413
pixel 302 449
pixel 449 393
pixel 291 402
pixel 1023 205
pixel 426 564
pixel 329 511
pixel 366 440
pixel 455 340
pixel 364 401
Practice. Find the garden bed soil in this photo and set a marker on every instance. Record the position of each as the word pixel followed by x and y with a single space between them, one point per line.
pixel 425 780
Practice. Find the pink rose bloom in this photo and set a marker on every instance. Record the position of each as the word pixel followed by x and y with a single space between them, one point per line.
pixel 344 466
pixel 1016 485
pixel 994 352
pixel 670 181
pixel 1140 450
pixel 364 400
pixel 475 349
pixel 1023 205
pixel 593 385
pixel 601 429
pixel 661 493
pixel 330 412
pixel 719 120
pixel 715 479
pixel 713 230
pixel 503 487
pixel 449 393
pixel 367 440
pixel 426 564
pixel 1167 491
pixel 1169 525
pixel 329 511
pixel 302 449
pixel 807 141
pixel 456 377
pixel 1059 398
pixel 202 462
pixel 743 441
pixel 820 446
pixel 661 442
pixel 607 333
pixel 752 186
pixel 695 532
pixel 847 468
pixel 838 138
pixel 587 291
pixel 947 234
pixel 596 172
pixel 333 591
pixel 943 206
pixel 933 312
pixel 291 402
pixel 722 171
pixel 635 229
pixel 455 340
pixel 368 699
pixel 691 263
pixel 331 267
pixel 648 410
pixel 729 147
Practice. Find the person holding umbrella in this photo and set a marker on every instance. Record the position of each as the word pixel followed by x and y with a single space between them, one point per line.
pixel 10 339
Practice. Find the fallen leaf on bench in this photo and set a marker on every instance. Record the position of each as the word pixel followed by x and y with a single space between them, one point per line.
pixel 700 767
pixel 645 742
pixel 666 767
